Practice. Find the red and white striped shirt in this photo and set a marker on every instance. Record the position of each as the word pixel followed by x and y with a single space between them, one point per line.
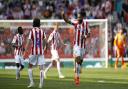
pixel 80 31
pixel 55 39
pixel 18 41
pixel 37 35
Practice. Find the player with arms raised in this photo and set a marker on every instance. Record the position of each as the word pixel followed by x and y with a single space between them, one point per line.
pixel 81 33
pixel 36 37
pixel 17 43
pixel 120 43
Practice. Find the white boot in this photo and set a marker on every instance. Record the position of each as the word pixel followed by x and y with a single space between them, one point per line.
pixel 61 76
pixel 31 85
pixel 41 78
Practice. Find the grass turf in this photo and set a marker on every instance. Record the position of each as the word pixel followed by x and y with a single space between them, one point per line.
pixel 90 79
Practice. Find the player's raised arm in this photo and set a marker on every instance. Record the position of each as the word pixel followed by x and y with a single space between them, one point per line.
pixel 50 38
pixel 66 19
pixel 51 35
pixel 87 34
pixel 45 43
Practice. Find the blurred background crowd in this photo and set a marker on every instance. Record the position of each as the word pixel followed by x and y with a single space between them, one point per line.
pixel 116 11
pixel 51 9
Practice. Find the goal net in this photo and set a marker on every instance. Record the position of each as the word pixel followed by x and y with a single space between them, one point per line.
pixel 96 51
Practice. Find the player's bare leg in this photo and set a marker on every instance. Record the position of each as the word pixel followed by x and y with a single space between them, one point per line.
pixel 74 69
pixel 116 63
pixel 58 68
pixel 117 59
pixel 21 67
pixel 77 70
pixel 30 74
pixel 80 68
pixel 46 70
pixel 123 63
pixel 41 76
pixel 17 71
pixel 81 64
pixel 77 74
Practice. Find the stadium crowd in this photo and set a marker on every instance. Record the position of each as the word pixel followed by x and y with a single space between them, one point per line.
pixel 114 10
pixel 51 9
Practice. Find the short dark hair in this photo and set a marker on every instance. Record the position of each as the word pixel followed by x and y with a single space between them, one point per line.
pixel 36 22
pixel 20 30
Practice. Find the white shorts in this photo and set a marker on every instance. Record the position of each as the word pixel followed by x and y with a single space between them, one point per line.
pixel 55 55
pixel 77 51
pixel 36 59
pixel 19 59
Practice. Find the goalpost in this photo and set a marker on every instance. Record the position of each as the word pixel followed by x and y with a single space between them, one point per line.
pixel 96 52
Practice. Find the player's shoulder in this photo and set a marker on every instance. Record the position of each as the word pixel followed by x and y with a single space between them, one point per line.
pixel 33 29
pixel 41 29
pixel 117 34
pixel 74 21
pixel 124 36
pixel 16 35
pixel 52 33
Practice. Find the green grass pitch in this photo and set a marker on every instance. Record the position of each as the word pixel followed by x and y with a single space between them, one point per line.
pixel 90 79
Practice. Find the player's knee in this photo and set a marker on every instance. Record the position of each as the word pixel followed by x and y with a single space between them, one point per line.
pixel 78 60
pixel 22 66
pixel 58 60
pixel 118 56
pixel 30 65
pixel 17 65
pixel 81 62
pixel 41 67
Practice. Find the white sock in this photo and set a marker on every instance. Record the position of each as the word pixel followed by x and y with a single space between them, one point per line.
pixel 17 72
pixel 30 75
pixel 41 77
pixel 58 68
pixel 49 66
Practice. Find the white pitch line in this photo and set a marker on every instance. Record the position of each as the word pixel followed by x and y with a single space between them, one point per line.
pixel 101 81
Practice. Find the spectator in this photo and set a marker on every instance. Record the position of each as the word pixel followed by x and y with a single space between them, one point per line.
pixel 118 8
pixel 17 12
pixel 27 9
pixel 2 48
pixel 35 9
pixel 125 11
